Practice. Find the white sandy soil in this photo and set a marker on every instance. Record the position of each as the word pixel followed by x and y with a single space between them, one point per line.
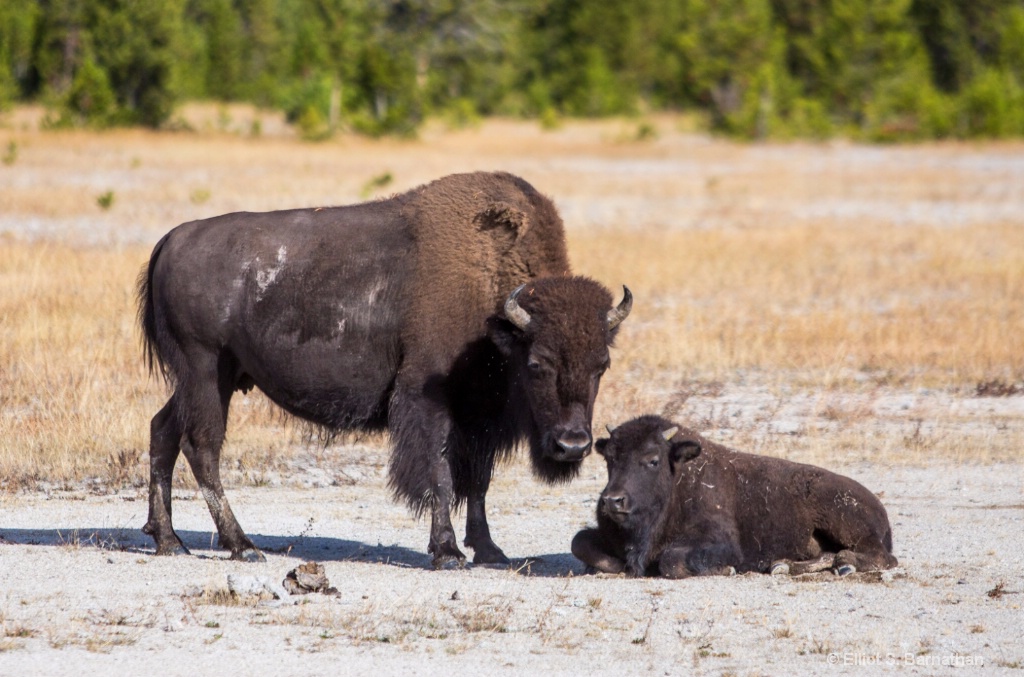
pixel 82 591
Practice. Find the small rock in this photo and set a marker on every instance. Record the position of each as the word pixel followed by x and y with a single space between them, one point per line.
pixel 243 584
pixel 307 578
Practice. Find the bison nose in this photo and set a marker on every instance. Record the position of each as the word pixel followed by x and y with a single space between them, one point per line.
pixel 574 445
pixel 615 503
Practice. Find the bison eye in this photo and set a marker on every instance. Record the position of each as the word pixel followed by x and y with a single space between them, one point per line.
pixel 652 463
pixel 535 367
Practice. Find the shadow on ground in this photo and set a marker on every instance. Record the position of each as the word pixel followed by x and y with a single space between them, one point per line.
pixel 306 548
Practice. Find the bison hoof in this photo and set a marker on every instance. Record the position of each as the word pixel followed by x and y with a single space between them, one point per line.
pixel 846 570
pixel 489 556
pixel 249 555
pixel 447 554
pixel 780 569
pixel 172 550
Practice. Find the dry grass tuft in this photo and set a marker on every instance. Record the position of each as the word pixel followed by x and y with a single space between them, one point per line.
pixel 221 596
pixel 486 616
pixel 783 632
pixel 18 631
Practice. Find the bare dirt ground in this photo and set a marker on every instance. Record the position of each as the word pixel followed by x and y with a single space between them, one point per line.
pixel 82 592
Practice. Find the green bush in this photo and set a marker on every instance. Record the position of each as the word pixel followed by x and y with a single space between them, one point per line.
pixel 992 105
pixel 461 113
pixel 90 101
pixel 8 87
pixel 308 98
pixel 809 118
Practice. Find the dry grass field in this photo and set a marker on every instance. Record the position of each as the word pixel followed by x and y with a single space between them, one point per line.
pixel 842 272
pixel 857 307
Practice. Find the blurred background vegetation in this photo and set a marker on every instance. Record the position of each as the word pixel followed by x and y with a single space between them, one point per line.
pixel 868 69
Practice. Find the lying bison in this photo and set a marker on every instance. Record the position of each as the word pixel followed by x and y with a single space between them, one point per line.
pixel 678 505
pixel 446 315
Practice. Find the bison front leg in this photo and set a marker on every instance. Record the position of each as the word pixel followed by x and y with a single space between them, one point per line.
pixel 590 547
pixel 478 533
pixel 443 543
pixel 718 559
pixel 420 470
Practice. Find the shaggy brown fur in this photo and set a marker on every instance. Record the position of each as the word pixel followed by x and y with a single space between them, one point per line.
pixel 388 314
pixel 678 505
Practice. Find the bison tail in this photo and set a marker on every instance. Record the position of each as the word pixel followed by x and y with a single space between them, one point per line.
pixel 147 315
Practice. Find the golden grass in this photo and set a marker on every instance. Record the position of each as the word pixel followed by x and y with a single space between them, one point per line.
pixel 67 341
pixel 75 399
pixel 924 306
pixel 811 304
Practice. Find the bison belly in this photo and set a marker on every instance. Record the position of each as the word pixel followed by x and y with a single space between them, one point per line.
pixel 306 305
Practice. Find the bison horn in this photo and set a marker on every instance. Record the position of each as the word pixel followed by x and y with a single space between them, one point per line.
pixel 610 428
pixel 619 313
pixel 670 433
pixel 513 312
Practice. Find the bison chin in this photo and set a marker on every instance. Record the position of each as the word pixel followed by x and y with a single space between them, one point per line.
pixel 546 466
pixel 638 520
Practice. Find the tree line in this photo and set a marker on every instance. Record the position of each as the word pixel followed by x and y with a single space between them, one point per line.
pixel 873 69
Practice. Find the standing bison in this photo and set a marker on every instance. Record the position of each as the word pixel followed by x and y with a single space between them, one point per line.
pixel 446 315
pixel 678 505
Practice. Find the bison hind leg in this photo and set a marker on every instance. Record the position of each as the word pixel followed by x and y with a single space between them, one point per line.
pixel 164 447
pixel 788 567
pixel 851 561
pixel 203 412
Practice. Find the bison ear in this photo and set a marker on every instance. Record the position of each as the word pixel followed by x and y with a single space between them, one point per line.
pixel 681 452
pixel 505 217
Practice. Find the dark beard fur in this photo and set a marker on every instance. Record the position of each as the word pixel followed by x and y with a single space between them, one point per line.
pixel 548 470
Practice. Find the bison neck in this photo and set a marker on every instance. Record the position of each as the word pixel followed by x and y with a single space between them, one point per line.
pixel 487 411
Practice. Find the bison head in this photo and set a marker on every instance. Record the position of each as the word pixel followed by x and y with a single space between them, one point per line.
pixel 644 457
pixel 556 333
